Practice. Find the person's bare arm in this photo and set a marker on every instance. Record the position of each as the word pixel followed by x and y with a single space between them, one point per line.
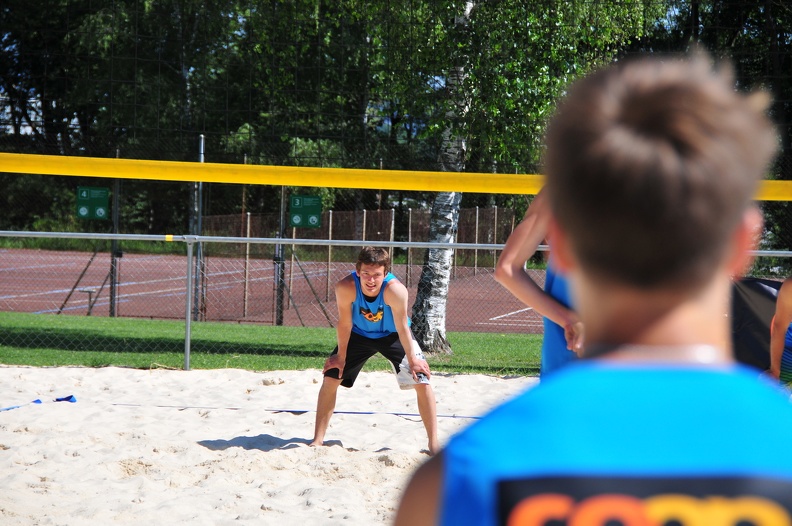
pixel 510 271
pixel 345 296
pixel 420 503
pixel 395 297
pixel 778 327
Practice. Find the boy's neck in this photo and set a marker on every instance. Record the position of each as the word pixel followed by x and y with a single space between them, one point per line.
pixel 676 327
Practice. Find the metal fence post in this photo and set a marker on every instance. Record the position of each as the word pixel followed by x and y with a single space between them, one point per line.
pixel 409 240
pixel 291 271
pixel 188 306
pixel 392 228
pixel 279 262
pixel 115 252
pixel 329 252
pixel 197 231
pixel 495 238
pixel 476 240
pixel 247 270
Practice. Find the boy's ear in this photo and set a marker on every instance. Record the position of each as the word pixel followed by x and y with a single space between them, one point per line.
pixel 746 238
pixel 563 258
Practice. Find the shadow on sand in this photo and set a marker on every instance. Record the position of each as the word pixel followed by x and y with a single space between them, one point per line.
pixel 261 442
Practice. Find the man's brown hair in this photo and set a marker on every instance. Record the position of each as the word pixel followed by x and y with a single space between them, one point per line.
pixel 651 164
pixel 374 256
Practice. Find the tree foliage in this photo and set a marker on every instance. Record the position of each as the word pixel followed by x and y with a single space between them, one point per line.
pixel 347 83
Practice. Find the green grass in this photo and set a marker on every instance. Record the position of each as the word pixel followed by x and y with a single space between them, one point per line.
pixel 52 340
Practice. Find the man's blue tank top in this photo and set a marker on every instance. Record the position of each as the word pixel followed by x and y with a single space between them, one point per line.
pixel 651 439
pixel 554 347
pixel 372 319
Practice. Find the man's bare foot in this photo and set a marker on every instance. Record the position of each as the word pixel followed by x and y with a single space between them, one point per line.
pixel 434 449
pixel 315 443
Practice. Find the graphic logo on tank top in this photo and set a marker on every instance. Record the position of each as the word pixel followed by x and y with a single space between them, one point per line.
pixel 370 316
pixel 645 501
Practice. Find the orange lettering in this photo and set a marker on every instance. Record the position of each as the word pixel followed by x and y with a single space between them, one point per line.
pixel 536 511
pixel 598 510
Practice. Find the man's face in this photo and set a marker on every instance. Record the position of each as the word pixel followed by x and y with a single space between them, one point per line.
pixel 371 277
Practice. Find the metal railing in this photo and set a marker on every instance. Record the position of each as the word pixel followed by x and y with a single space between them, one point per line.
pixel 476 302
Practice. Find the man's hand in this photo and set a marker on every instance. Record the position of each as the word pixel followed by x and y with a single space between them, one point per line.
pixel 334 362
pixel 774 373
pixel 417 365
pixel 573 332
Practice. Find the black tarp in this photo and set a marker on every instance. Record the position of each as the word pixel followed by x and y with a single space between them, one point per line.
pixel 753 306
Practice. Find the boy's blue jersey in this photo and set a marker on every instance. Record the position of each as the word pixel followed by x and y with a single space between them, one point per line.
pixel 372 319
pixel 653 439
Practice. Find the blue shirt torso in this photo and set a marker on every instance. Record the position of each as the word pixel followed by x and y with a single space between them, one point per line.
pixel 554 348
pixel 639 431
pixel 372 318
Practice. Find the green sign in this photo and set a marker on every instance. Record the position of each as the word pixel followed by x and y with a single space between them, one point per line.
pixel 305 211
pixel 93 202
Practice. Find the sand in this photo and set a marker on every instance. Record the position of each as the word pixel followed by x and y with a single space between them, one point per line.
pixel 215 447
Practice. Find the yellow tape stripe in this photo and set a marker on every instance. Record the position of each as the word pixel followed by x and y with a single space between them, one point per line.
pixel 168 237
pixel 488 183
pixel 775 191
pixel 270 175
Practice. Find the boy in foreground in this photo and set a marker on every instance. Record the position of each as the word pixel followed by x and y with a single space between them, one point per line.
pixel 651 167
pixel 372 318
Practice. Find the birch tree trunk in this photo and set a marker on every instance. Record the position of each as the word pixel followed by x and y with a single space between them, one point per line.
pixel 429 309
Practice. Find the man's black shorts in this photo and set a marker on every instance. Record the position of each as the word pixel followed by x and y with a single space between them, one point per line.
pixel 361 348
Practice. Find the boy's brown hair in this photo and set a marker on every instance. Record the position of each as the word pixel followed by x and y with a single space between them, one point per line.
pixel 374 256
pixel 650 166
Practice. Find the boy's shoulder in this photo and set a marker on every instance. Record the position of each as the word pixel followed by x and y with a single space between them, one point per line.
pixel 600 401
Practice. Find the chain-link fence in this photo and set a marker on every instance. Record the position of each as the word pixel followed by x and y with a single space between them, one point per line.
pixel 233 282
pixel 237 277
pixel 237 281
pixel 233 288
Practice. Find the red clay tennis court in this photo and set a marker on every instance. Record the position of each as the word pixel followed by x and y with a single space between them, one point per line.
pixel 154 286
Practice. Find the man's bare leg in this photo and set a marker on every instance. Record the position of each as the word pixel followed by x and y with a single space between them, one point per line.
pixel 427 407
pixel 325 406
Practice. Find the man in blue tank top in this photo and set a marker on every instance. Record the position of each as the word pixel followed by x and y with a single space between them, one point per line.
pixel 563 331
pixel 372 318
pixel 651 167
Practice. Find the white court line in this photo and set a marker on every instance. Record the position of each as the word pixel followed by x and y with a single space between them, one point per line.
pixel 127 285
pixel 61 291
pixel 166 292
pixel 35 267
pixel 510 313
pixel 512 324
